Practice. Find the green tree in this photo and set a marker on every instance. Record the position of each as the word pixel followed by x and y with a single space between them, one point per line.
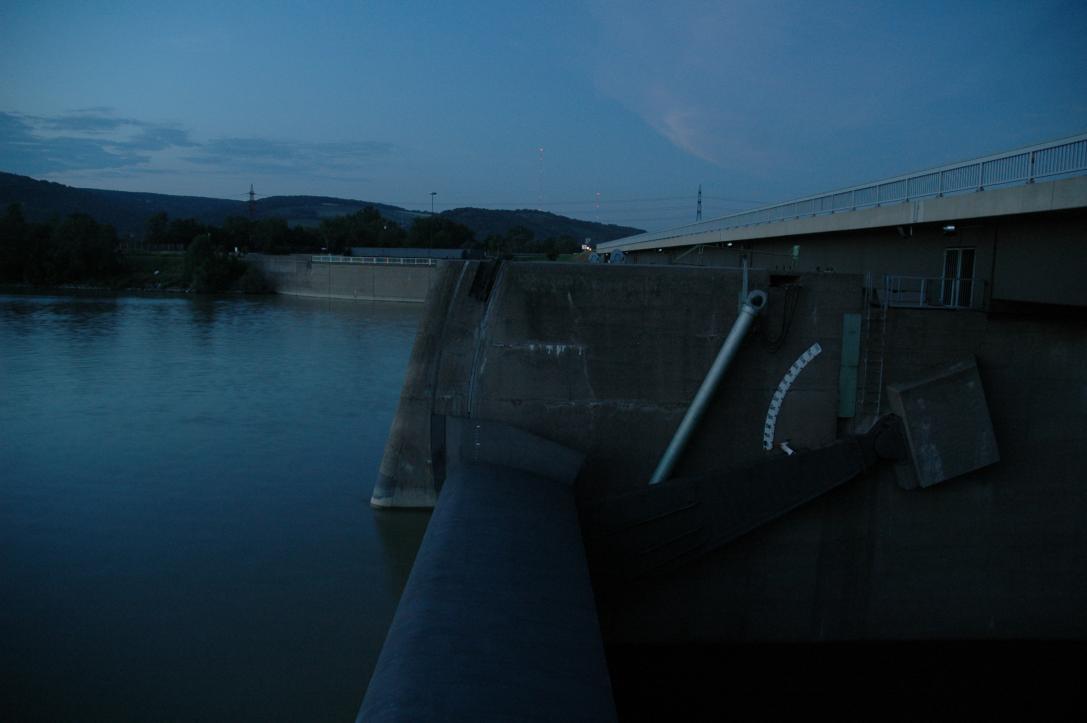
pixel 13 244
pixel 362 228
pixel 520 240
pixel 237 232
pixel 439 233
pixel 207 267
pixel 272 236
pixel 181 231
pixel 155 229
pixel 85 249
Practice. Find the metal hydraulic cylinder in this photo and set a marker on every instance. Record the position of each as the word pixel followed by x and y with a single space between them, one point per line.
pixel 755 302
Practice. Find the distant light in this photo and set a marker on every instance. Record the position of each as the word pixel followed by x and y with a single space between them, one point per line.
pixel 949 228
pixel 660 249
pixel 729 244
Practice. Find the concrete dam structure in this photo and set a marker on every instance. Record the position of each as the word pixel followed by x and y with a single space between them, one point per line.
pixel 605 359
pixel 357 279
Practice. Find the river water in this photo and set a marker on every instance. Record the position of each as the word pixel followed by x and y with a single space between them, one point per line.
pixel 184 523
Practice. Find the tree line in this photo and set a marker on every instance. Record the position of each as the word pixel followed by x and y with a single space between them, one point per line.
pixel 77 249
pixel 366 228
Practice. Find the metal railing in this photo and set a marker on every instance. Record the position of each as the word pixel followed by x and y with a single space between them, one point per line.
pixel 1067 156
pixel 375 260
pixel 931 292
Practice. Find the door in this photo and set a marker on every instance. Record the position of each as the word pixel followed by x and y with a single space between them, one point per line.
pixel 957 282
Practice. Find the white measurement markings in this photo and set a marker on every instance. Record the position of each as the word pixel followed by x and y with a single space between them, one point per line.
pixel 783 389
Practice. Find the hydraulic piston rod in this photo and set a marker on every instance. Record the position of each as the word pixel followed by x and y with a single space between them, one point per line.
pixel 756 300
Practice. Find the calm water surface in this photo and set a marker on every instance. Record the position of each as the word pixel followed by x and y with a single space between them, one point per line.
pixel 184 522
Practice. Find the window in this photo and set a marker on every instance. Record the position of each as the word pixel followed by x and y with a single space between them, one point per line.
pixel 957 281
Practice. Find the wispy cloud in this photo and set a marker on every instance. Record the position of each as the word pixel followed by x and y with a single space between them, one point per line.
pixel 24 148
pixel 262 154
pixel 836 92
pixel 156 138
pixel 81 122
pixel 96 139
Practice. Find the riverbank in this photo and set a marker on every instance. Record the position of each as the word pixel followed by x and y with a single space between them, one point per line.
pixel 151 273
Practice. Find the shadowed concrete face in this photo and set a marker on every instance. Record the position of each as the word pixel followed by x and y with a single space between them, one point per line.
pixel 606 359
pixel 299 275
pixel 947 425
pixel 498 620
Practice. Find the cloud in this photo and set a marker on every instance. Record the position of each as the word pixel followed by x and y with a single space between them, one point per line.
pixel 839 92
pixel 156 138
pixel 101 109
pixel 82 122
pixel 24 149
pixel 96 139
pixel 266 155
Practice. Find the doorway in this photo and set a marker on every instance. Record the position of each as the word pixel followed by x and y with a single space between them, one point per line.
pixel 957 281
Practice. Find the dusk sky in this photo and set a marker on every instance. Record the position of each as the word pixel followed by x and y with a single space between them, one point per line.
pixel 638 102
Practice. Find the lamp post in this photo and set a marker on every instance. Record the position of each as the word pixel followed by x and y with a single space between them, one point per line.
pixel 430 242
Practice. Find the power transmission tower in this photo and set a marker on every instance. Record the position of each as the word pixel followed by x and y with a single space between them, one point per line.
pixel 253 202
pixel 698 213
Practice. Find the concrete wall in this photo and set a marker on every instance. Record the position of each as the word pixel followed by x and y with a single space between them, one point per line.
pixel 1033 258
pixel 297 275
pixel 881 251
pixel 605 359
pixel 997 553
pixel 1042 263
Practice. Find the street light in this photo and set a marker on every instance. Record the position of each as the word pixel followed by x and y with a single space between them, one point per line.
pixel 430 242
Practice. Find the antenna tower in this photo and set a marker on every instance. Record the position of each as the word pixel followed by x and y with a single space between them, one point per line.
pixel 253 202
pixel 698 213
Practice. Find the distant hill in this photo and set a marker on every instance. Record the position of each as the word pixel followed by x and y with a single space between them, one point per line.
pixel 128 211
pixel 543 224
pixel 124 210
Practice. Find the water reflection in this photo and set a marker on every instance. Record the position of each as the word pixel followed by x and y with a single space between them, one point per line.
pixel 184 505
pixel 202 310
pixel 400 533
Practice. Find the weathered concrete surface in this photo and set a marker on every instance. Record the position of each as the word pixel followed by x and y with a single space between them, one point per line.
pixel 994 554
pixel 946 421
pixel 436 382
pixel 606 359
pixel 497 621
pixel 298 275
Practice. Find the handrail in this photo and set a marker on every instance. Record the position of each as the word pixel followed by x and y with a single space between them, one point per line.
pixel 1066 156
pixel 375 260
pixel 931 292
